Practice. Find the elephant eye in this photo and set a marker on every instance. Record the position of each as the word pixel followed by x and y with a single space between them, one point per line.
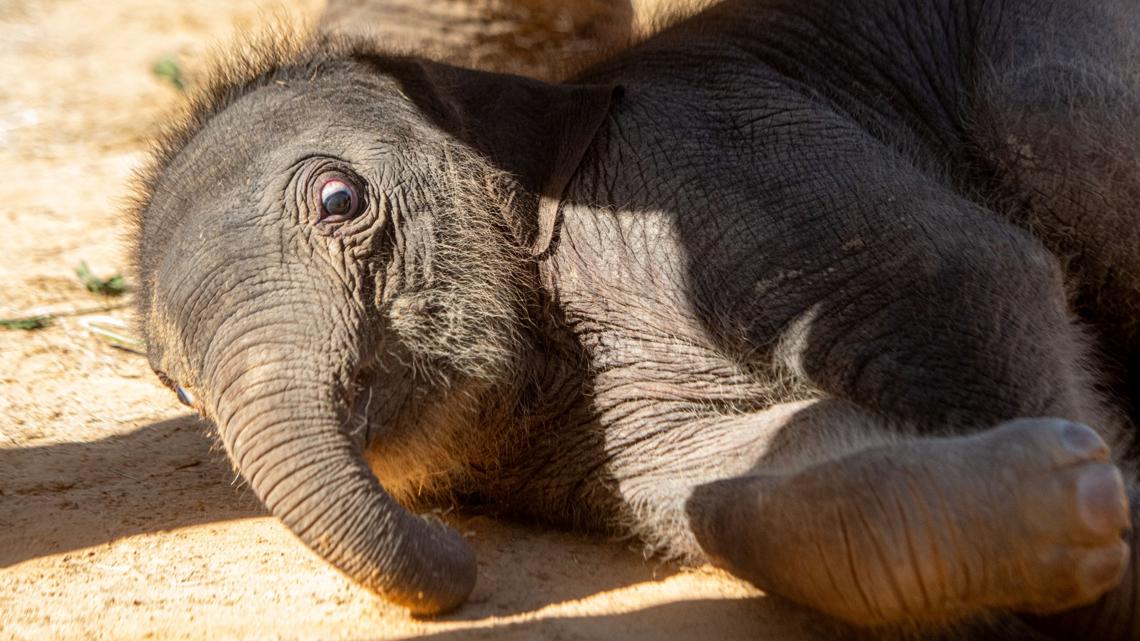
pixel 184 397
pixel 339 201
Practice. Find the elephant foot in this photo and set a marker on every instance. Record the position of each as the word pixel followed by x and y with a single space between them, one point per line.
pixel 1114 616
pixel 1026 517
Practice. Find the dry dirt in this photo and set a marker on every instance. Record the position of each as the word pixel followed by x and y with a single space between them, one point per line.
pixel 119 519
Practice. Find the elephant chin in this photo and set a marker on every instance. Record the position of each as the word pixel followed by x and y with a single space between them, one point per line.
pixel 308 473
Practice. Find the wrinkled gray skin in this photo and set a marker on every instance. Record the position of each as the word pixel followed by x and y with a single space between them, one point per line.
pixel 784 287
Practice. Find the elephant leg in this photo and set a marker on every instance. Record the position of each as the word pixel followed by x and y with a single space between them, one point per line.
pixel 929 502
pixel 837 508
pixel 1116 615
pixel 1023 517
pixel 978 338
pixel 1054 124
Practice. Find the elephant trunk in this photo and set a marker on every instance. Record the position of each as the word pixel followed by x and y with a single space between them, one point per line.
pixel 287 439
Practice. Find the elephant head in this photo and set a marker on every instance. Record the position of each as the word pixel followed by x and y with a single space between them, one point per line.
pixel 335 248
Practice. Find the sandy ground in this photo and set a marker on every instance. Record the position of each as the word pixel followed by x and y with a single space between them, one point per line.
pixel 119 519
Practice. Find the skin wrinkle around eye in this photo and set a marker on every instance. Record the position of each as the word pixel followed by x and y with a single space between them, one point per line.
pixel 307 172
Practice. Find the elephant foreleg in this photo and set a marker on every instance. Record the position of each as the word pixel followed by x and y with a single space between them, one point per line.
pixel 834 507
pixel 931 530
pixel 1054 125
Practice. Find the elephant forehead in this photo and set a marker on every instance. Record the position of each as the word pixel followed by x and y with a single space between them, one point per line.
pixel 259 137
pixel 268 124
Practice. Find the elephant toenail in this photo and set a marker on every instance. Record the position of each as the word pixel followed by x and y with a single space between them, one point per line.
pixel 1103 504
pixel 1083 441
pixel 1103 568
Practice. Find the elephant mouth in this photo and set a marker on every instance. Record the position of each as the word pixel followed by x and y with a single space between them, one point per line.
pixel 360 425
pixel 415 434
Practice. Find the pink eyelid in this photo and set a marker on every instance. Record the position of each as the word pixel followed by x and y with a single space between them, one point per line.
pixel 336 185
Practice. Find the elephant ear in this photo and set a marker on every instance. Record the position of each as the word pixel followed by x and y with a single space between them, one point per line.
pixel 537 131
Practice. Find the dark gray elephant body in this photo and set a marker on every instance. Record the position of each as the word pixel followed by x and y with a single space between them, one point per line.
pixel 757 291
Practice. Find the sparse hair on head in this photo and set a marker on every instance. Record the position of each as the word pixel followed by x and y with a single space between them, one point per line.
pixel 280 51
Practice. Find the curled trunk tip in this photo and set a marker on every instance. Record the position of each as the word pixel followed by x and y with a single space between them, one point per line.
pixel 308 473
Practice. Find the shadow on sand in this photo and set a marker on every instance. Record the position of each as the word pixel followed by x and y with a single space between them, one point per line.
pixel 171 474
pixel 67 496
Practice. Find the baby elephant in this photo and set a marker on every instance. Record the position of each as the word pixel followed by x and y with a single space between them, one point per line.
pixel 843 297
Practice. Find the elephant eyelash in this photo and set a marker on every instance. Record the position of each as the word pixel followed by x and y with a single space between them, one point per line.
pixel 164 379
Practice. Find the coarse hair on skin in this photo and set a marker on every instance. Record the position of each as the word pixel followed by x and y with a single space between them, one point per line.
pixel 465 326
pixel 459 312
pixel 280 51
pixel 464 311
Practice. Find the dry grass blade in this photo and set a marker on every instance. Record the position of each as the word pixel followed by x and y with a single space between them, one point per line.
pixel 113 332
